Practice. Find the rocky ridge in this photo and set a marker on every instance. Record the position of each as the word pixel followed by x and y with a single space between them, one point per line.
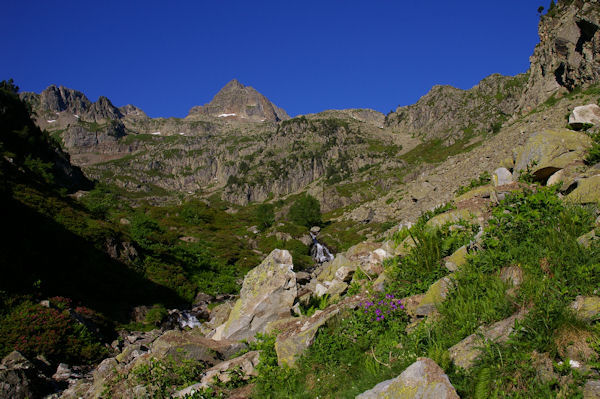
pixel 567 54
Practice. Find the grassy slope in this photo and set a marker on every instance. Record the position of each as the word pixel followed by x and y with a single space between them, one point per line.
pixel 535 231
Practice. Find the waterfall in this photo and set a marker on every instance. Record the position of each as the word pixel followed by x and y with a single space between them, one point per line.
pixel 187 319
pixel 319 252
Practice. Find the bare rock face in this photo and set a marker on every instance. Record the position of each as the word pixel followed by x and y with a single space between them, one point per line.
pixel 423 379
pixel 267 295
pixel 446 110
pixel 19 378
pixel 567 55
pixel 61 99
pixel 240 102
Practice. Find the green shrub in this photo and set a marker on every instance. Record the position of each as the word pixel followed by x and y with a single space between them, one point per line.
pixel 266 216
pixel 593 156
pixel 197 213
pixel 162 377
pixel 306 211
pixel 33 330
pixel 156 314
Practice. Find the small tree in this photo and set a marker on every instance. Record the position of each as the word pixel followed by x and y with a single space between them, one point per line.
pixel 540 9
pixel 306 211
pixel 265 215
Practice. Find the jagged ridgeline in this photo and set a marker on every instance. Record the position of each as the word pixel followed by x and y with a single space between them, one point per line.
pixel 456 238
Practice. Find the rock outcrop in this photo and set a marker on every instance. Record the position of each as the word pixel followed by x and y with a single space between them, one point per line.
pixel 423 379
pixel 267 294
pixel 464 353
pixel 240 102
pixel 193 346
pixel 567 54
pixel 297 334
pixel 243 366
pixel 447 112
pixel 549 151
pixel 20 379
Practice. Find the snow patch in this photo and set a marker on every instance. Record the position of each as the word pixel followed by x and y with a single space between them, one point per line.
pixel 225 115
pixel 51 121
pixel 76 116
pixel 181 133
pixel 155 134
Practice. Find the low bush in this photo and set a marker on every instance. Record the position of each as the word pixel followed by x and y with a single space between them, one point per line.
pixel 34 330
pixel 306 211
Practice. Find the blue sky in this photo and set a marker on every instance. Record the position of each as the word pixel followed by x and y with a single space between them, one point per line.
pixel 305 56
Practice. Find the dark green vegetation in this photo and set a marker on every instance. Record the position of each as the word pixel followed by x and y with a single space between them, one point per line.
pixel 533 230
pixel 593 156
pixel 56 248
pixel 306 211
pixel 435 151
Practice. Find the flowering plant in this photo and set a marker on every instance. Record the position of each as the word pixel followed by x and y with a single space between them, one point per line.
pixel 382 307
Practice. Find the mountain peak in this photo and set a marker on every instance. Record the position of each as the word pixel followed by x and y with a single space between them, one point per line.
pixel 233 84
pixel 239 102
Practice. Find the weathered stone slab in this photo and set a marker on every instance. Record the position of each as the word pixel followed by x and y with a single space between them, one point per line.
pixel 423 379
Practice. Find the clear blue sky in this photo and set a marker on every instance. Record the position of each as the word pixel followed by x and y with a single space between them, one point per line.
pixel 306 56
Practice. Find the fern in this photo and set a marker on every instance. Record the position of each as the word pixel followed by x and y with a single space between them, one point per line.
pixel 482 388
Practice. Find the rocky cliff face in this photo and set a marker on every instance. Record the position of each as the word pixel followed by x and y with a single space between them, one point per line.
pixel 450 112
pixel 250 162
pixel 56 100
pixel 239 102
pixel 567 55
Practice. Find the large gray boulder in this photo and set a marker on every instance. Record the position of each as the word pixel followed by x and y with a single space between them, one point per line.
pixel 502 176
pixel 267 294
pixel 192 345
pixel 423 379
pixel 584 115
pixel 549 151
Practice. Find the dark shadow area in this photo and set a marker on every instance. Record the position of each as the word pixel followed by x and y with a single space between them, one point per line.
pixel 36 251
pixel 588 30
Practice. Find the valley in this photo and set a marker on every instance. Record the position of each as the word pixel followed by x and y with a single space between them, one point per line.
pixel 448 248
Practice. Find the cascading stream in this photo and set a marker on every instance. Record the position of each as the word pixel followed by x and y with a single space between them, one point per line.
pixel 318 251
pixel 186 319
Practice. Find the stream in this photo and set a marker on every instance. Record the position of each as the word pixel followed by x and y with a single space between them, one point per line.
pixel 318 251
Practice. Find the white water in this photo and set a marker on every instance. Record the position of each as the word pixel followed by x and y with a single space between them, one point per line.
pixel 188 320
pixel 319 251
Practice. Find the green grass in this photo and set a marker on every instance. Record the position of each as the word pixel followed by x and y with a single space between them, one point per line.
pixel 434 151
pixel 534 230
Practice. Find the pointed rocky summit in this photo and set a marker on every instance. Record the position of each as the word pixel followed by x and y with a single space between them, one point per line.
pixel 239 102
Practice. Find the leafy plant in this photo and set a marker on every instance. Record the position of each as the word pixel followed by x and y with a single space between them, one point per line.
pixel 33 329
pixel 266 215
pixel 593 156
pixel 306 211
